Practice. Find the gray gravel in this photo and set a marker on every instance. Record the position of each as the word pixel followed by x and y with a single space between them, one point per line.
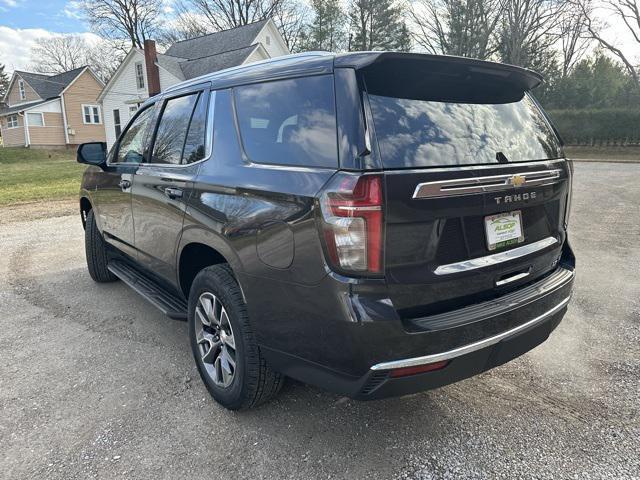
pixel 95 383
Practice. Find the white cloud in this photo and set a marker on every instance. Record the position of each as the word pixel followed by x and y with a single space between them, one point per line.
pixel 73 10
pixel 9 3
pixel 15 45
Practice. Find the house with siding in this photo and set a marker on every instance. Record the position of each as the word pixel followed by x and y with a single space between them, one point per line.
pixel 145 72
pixel 52 111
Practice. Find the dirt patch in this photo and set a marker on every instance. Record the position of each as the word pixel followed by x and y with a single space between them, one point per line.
pixel 24 212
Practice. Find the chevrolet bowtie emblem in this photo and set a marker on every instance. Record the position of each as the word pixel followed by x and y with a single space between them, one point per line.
pixel 518 180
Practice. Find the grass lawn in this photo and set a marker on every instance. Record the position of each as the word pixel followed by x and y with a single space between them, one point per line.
pixel 603 153
pixel 33 174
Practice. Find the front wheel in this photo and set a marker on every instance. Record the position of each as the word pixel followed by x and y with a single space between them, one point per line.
pixel 96 252
pixel 223 344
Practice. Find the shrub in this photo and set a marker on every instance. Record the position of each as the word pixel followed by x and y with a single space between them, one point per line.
pixel 611 126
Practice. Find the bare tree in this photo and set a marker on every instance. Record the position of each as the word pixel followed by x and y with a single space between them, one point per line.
pixel 290 18
pixel 574 38
pixel 226 14
pixel 62 53
pixel 456 27
pixel 626 11
pixel 186 23
pixel 128 21
pixel 529 29
pixel 59 54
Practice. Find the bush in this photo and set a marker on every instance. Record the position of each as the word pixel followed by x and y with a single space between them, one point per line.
pixel 611 126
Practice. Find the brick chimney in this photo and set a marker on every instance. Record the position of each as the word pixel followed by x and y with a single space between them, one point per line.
pixel 153 75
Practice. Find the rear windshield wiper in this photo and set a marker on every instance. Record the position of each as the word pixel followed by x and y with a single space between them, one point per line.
pixel 501 157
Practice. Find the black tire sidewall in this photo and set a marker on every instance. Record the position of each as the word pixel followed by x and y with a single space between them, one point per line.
pixel 212 280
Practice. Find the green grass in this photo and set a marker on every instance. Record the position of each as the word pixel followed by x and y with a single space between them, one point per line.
pixel 28 175
pixel 606 153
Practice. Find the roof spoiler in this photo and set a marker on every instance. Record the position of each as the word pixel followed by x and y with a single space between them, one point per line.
pixel 367 61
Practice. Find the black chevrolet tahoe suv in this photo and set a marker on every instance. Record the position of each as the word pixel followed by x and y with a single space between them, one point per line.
pixel 372 223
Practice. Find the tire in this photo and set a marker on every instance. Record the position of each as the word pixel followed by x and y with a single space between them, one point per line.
pixel 250 381
pixel 96 252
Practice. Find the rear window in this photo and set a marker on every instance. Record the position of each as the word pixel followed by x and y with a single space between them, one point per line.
pixel 289 122
pixel 427 133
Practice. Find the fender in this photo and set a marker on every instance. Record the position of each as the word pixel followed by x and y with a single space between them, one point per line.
pixel 205 236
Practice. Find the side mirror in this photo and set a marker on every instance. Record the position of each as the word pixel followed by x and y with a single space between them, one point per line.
pixel 93 153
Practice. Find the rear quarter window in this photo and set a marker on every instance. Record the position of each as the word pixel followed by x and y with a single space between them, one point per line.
pixel 289 122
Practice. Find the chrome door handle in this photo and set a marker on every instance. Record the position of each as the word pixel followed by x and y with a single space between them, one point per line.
pixel 124 184
pixel 512 278
pixel 173 193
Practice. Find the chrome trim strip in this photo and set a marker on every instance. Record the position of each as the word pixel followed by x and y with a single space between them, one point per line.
pixel 491 183
pixel 471 347
pixel 495 258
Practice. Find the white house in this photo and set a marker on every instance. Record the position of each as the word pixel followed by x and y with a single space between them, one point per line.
pixel 144 73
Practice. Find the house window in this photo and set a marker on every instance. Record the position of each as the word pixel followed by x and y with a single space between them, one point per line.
pixel 116 122
pixel 268 40
pixel 139 75
pixel 23 94
pixel 91 114
pixel 12 121
pixel 35 119
pixel 132 110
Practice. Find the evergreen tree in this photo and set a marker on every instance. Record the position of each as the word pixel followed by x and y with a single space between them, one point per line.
pixel 328 29
pixel 4 81
pixel 378 25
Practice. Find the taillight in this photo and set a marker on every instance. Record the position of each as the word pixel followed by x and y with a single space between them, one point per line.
pixel 352 222
pixel 567 208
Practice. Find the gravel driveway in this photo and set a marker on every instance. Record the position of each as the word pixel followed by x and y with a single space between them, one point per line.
pixel 94 382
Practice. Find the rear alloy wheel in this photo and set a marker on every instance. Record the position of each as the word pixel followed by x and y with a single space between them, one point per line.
pixel 214 336
pixel 223 344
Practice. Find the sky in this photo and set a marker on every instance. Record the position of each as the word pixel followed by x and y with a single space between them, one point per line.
pixel 24 21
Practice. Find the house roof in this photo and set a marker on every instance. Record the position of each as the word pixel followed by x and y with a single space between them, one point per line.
pixel 212 63
pixel 218 42
pixel 171 64
pixel 21 107
pixel 49 86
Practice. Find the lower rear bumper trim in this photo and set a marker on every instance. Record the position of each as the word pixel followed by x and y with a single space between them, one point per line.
pixel 472 347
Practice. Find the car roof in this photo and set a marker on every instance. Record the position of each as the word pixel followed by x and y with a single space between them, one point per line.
pixel 317 63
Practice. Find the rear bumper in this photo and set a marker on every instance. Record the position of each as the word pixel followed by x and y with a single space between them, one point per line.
pixel 345 335
pixel 464 362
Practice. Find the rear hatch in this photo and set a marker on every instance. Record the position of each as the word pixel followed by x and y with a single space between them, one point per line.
pixel 474 178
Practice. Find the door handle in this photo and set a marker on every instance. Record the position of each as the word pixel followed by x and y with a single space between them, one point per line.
pixel 513 278
pixel 124 184
pixel 173 193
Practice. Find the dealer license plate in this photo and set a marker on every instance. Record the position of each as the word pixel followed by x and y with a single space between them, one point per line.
pixel 504 229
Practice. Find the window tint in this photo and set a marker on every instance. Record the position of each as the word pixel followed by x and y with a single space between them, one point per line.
pixel 421 133
pixel 194 145
pixel 134 142
pixel 172 129
pixel 291 122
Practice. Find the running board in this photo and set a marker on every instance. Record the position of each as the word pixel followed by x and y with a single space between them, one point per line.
pixel 168 303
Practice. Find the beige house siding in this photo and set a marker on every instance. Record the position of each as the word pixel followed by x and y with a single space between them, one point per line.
pixel 14 93
pixel 12 137
pixel 51 134
pixel 83 91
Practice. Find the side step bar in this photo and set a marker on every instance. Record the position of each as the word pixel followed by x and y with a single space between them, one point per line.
pixel 168 303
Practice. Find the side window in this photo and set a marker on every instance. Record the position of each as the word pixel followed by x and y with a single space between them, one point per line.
pixel 172 129
pixel 290 122
pixel 194 146
pixel 134 141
